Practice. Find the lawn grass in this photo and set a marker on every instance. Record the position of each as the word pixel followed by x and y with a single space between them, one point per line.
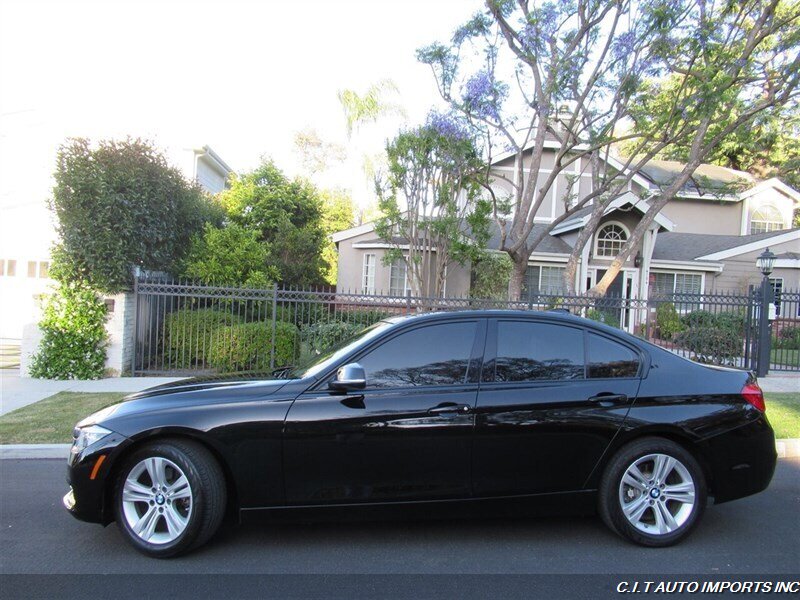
pixel 789 357
pixel 50 421
pixel 783 412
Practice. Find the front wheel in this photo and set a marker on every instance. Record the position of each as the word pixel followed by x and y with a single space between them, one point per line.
pixel 653 492
pixel 170 498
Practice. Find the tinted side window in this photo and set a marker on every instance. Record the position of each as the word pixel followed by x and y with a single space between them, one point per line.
pixel 432 355
pixel 536 351
pixel 608 358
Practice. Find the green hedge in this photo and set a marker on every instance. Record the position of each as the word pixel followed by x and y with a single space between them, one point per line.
pixel 668 321
pixel 319 337
pixel 247 346
pixel 189 334
pixel 788 338
pixel 711 345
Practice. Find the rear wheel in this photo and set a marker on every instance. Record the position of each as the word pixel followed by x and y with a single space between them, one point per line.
pixel 653 492
pixel 170 498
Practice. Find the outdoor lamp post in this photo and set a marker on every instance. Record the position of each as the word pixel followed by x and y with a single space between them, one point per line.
pixel 765 263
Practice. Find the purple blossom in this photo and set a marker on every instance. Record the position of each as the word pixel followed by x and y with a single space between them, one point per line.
pixel 482 95
pixel 624 45
pixel 447 125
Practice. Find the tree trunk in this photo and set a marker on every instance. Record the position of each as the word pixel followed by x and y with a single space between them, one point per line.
pixel 518 273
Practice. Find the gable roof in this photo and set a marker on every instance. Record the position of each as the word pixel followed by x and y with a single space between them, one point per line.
pixel 549 244
pixel 707 179
pixel 701 246
pixel 582 216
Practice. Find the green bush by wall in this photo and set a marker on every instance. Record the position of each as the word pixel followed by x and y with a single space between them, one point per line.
pixel 247 346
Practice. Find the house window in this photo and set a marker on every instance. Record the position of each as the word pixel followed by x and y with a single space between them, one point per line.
pixel 38 269
pixel 44 269
pixel 398 279
pixel 31 268
pixel 368 275
pixel 8 268
pixel 777 289
pixel 766 218
pixel 609 240
pixel 666 284
pixel 548 281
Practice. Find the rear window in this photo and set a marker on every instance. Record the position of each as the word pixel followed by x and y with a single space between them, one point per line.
pixel 538 351
pixel 608 358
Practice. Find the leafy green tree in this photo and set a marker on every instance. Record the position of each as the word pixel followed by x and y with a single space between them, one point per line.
pixel 433 213
pixel 286 216
pixel 338 213
pixel 73 335
pixel 230 255
pixel 566 77
pixel 119 205
pixel 490 275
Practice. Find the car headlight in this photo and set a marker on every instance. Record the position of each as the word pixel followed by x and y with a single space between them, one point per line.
pixel 86 436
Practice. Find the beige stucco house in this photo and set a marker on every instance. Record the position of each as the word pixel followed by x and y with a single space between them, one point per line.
pixel 705 240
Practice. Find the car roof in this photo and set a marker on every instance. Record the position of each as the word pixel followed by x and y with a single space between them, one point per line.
pixel 558 314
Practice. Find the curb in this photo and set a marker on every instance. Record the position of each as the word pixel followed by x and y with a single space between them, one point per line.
pixel 9 451
pixel 786 448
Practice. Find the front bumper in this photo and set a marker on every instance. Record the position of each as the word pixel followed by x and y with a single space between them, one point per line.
pixel 90 477
pixel 742 460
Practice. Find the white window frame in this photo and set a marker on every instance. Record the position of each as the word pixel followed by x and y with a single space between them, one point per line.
pixel 684 273
pixel 396 265
pixel 539 278
pixel 368 268
pixel 597 239
pixel 768 224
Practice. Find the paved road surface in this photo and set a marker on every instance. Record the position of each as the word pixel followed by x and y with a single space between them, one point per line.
pixel 756 535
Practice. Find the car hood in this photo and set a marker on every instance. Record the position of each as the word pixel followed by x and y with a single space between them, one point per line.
pixel 241 387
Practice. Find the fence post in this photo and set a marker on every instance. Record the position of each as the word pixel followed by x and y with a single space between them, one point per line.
pixel 408 302
pixel 135 324
pixel 764 334
pixel 274 321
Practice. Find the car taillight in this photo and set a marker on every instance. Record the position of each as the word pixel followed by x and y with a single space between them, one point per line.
pixel 753 394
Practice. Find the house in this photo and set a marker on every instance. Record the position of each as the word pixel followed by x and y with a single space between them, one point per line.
pixel 705 240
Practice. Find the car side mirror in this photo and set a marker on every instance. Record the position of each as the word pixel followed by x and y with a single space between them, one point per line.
pixel 349 377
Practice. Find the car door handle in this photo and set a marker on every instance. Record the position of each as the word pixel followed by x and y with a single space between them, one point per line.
pixel 450 407
pixel 608 399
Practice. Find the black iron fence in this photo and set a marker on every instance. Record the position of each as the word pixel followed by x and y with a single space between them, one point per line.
pixel 188 328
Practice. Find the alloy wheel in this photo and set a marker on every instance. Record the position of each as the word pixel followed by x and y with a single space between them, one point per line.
pixel 657 494
pixel 157 500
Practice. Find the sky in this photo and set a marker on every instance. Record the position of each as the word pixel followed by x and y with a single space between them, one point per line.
pixel 241 76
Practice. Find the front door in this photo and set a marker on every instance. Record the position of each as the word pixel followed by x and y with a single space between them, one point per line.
pixel 407 436
pixel 615 304
pixel 552 398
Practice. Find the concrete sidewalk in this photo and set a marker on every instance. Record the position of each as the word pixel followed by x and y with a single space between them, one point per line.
pixel 16 391
pixel 784 382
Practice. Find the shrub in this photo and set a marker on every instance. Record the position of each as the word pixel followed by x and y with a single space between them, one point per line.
pixel 319 337
pixel 711 345
pixel 788 338
pixel 190 333
pixel 73 335
pixel 698 318
pixel 731 321
pixel 668 321
pixel 247 346
pixel 603 316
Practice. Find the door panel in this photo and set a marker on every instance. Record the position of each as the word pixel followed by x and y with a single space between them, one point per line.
pixel 546 434
pixel 408 436
pixel 379 446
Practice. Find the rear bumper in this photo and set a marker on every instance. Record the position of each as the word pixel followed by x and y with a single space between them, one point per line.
pixel 742 461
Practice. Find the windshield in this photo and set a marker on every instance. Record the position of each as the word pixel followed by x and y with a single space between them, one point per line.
pixel 317 363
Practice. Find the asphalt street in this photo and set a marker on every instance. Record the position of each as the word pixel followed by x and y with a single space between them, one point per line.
pixel 755 535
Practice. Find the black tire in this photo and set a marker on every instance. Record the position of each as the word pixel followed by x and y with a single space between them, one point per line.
pixel 207 497
pixel 613 494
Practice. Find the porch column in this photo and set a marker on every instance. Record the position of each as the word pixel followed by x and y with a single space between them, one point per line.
pixel 583 268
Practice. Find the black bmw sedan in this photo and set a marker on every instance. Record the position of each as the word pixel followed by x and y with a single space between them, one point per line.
pixel 436 408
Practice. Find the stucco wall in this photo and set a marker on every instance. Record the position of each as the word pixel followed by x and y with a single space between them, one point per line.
pixel 705 216
pixel 740 271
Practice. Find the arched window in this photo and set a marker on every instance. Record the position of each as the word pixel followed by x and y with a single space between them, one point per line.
pixel 609 240
pixel 766 218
